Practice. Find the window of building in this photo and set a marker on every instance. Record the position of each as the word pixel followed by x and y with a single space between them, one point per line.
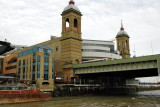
pixel 38 74
pixel 23 75
pixel 75 24
pixel 26 68
pixel 38 58
pixel 45 50
pixel 23 61
pixel 67 24
pixel 100 45
pixel 45 67
pixel 11 67
pixel 40 49
pixel 19 71
pixel 23 70
pixel 46 59
pixel 34 59
pixel 52 67
pixel 95 50
pixel 52 75
pixel 34 68
pixel 19 63
pixel 45 76
pixel 119 44
pixel 27 62
pixel 56 48
pixel 49 51
pixel 126 44
pixel 77 61
pixel 33 76
pixel 13 60
pixel 46 72
pixel 45 83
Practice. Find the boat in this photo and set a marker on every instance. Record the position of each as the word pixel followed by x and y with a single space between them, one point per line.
pixel 20 94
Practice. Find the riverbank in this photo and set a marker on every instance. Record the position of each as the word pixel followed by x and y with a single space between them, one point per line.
pixel 74 91
pixel 141 99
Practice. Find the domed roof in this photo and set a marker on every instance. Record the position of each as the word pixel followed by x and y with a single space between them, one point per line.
pixel 71 6
pixel 122 31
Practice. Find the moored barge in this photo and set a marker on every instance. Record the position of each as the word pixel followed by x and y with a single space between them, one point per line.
pixel 21 95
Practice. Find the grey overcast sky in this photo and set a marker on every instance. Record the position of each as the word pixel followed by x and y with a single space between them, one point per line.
pixel 28 22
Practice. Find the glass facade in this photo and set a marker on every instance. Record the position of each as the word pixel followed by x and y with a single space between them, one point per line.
pixel 35 62
pixel 34 50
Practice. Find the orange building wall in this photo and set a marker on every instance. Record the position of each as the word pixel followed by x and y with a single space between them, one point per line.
pixel 68 75
pixel 9 68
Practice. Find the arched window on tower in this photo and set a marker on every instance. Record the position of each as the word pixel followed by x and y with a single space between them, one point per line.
pixel 67 25
pixel 119 44
pixel 77 61
pixel 75 24
pixel 126 44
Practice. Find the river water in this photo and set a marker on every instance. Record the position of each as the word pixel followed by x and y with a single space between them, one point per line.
pixel 140 99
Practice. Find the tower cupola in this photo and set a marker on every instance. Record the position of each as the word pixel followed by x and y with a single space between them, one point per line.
pixel 71 2
pixel 122 31
pixel 71 6
pixel 122 38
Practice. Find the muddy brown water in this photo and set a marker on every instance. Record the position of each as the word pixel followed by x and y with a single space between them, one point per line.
pixel 140 99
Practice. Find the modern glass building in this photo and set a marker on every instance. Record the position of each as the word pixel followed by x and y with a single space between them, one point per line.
pixel 97 49
pixel 36 65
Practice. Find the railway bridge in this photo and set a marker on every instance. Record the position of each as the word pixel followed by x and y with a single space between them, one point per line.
pixel 116 72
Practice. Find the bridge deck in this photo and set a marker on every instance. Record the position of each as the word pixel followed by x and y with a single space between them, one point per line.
pixel 131 64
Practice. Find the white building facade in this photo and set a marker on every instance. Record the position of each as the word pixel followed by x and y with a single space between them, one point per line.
pixel 97 49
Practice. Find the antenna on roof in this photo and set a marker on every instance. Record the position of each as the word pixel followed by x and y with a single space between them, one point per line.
pixel 122 28
pixel 152 47
pixel 134 52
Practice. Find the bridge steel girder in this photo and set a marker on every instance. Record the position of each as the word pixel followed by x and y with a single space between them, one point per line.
pixel 130 64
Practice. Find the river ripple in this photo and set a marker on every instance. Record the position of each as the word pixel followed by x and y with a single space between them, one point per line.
pixel 140 99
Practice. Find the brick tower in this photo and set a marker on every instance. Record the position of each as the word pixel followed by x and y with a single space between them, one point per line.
pixel 71 41
pixel 123 43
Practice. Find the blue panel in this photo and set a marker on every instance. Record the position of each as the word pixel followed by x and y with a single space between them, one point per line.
pixel 46 63
pixel 38 59
pixel 38 74
pixel 45 72
pixel 45 47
